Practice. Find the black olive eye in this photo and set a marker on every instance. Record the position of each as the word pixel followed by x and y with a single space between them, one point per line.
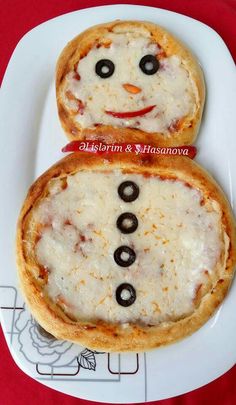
pixel 104 68
pixel 149 64
pixel 124 256
pixel 127 223
pixel 128 191
pixel 125 295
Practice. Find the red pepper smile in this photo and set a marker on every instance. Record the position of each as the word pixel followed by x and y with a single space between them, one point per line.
pixel 131 114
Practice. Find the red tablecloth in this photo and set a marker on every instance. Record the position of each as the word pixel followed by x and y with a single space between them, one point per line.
pixel 16 18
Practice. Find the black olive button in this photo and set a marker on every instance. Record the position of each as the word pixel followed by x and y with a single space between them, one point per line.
pixel 128 191
pixel 127 222
pixel 125 295
pixel 104 68
pixel 149 64
pixel 124 256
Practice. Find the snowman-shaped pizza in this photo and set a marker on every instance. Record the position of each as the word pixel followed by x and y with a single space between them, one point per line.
pixel 129 79
pixel 122 252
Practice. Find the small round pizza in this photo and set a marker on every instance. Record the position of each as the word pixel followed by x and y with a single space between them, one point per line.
pixel 125 252
pixel 129 80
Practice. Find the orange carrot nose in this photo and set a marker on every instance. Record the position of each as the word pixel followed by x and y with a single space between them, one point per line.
pixel 131 88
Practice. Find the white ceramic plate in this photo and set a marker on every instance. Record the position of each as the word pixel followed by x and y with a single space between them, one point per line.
pixel 31 139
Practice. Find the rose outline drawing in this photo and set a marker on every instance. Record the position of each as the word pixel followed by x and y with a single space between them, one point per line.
pixel 40 348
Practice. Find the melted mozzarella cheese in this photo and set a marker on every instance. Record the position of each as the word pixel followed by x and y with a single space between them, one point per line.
pixel 177 241
pixel 170 89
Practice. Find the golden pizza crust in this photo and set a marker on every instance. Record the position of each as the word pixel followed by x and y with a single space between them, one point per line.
pixel 106 336
pixel 187 128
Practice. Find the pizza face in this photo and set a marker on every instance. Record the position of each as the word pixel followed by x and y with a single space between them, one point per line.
pixel 126 80
pixel 127 248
